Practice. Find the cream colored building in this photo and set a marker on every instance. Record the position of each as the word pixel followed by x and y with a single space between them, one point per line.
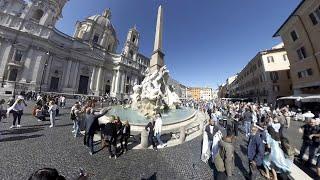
pixel 200 93
pixel 301 36
pixel 265 78
pixel 35 56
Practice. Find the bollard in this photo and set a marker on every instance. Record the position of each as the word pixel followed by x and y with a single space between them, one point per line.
pixel 182 135
pixel 144 139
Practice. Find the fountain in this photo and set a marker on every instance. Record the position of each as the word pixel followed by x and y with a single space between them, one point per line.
pixel 154 95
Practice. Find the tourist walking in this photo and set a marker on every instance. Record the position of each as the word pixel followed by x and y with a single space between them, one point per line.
pixel 158 129
pixel 211 129
pixel 151 136
pixel 125 136
pixel 255 153
pixel 17 111
pixel 77 118
pixel 227 152
pixel 91 126
pixel 52 112
pixel 309 139
pixel 247 117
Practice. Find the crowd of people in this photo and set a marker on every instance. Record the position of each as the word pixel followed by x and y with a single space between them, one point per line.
pixel 269 151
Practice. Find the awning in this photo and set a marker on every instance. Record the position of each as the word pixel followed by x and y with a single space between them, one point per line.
pixel 298 98
pixel 313 98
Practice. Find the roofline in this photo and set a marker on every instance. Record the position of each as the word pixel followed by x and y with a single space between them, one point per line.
pixel 294 11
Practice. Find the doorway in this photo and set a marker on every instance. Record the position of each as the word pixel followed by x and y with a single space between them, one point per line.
pixel 83 85
pixel 54 85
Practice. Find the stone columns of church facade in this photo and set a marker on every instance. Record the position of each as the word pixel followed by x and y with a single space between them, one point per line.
pixel 6 48
pixel 67 75
pixel 47 72
pixel 74 81
pixel 99 81
pixel 27 70
pixel 93 79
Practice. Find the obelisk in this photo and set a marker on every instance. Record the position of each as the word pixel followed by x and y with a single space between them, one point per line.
pixel 157 58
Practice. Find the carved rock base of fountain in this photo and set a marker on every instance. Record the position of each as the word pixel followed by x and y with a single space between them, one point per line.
pixel 154 95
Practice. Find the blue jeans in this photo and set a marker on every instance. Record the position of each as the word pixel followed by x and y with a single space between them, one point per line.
pixel 52 118
pixel 247 127
pixel 76 125
pixel 158 135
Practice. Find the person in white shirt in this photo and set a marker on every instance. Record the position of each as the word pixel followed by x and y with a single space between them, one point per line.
pixel 17 111
pixel 52 111
pixel 157 130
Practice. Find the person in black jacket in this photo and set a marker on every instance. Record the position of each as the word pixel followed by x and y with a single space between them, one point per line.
pixel 151 137
pixel 91 126
pixel 125 136
pixel 109 132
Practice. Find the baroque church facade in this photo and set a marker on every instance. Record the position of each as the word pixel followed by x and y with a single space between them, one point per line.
pixel 35 56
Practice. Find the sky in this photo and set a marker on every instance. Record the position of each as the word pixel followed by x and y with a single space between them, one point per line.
pixel 204 41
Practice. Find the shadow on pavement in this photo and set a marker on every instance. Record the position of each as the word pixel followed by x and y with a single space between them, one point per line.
pixel 22 131
pixel 310 171
pixel 18 138
pixel 239 164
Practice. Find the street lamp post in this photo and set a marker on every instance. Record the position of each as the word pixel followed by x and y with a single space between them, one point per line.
pixel 44 70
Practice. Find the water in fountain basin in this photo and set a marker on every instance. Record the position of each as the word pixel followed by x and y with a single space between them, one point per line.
pixel 173 116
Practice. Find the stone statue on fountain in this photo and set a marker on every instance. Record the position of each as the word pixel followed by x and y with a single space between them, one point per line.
pixel 154 94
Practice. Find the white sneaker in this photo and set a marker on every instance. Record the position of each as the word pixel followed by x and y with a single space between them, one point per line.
pixel 18 126
pixel 50 126
pixel 11 127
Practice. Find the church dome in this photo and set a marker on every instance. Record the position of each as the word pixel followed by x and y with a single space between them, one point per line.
pixel 104 20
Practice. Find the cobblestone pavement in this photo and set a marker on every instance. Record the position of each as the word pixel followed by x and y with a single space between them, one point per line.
pixel 35 145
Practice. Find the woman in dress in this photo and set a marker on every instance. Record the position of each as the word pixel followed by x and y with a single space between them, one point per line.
pixel 275 160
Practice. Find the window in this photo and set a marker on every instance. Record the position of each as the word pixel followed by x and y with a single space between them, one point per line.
pixel 37 15
pixel 95 38
pixel 302 53
pixel 13 75
pixel 315 16
pixel 270 59
pixel 305 73
pixel 285 57
pixel 134 38
pixel 294 35
pixel 274 76
pixel 18 55
pixel 309 72
pixel 313 19
pixel 131 54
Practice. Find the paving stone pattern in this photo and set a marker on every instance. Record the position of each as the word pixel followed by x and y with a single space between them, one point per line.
pixel 35 145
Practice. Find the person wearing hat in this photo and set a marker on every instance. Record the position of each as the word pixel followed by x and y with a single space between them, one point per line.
pixel 17 111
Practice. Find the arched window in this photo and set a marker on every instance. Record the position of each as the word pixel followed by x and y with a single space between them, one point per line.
pixel 37 15
pixel 134 38
pixel 131 54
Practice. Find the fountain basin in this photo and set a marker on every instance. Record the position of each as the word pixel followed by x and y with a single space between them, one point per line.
pixel 172 117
